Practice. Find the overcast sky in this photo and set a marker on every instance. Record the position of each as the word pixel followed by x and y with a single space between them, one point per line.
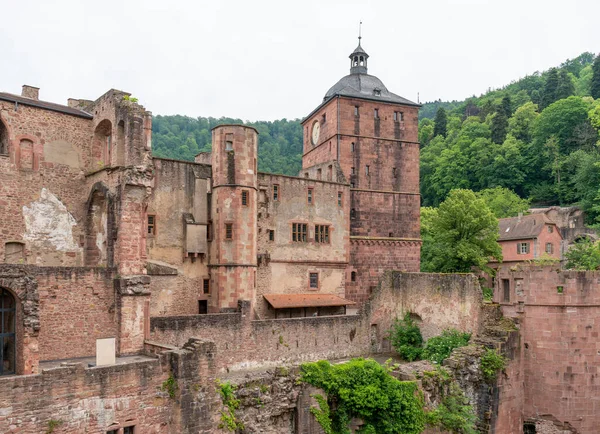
pixel 266 60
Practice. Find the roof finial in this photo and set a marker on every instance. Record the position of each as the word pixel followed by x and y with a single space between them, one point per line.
pixel 359 31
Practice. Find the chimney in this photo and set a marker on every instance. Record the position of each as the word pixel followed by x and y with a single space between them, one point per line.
pixel 520 216
pixel 31 92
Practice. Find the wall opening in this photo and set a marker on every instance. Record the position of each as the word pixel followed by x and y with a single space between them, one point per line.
pixel 102 145
pixel 120 147
pixel 8 336
pixel 3 139
pixel 14 252
pixel 505 290
pixel 97 239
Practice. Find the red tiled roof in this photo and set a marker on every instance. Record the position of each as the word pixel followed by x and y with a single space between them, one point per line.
pixel 286 301
pixel 522 228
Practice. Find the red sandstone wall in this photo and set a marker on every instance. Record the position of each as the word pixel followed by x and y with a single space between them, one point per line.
pixel 559 336
pixel 86 400
pixel 77 306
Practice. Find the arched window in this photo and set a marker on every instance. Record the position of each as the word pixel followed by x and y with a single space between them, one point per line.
pixel 8 339
pixel 3 139
pixel 102 145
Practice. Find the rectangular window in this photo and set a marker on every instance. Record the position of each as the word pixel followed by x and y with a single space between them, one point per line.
pixel 271 235
pixel 522 248
pixel 275 192
pixel 324 117
pixel 151 224
pixel 506 290
pixel 299 231
pixel 376 113
pixel 314 280
pixel 340 198
pixel 321 234
pixel 549 248
pixel 352 147
pixel 319 174
pixel 367 170
pixel 355 110
pixel 550 229
pixel 394 172
pixel 129 430
pixel 228 231
pixel 398 116
pixel 309 196
pixel 206 286
pixel 202 309
pixel 244 197
pixel 352 171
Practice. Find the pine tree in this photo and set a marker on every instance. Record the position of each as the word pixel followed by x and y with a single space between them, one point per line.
pixel 441 123
pixel 595 85
pixel 566 87
pixel 500 121
pixel 550 88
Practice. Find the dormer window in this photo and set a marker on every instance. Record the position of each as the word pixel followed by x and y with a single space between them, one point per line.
pixel 377 92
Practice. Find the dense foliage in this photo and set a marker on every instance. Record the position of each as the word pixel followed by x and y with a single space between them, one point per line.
pixel 490 364
pixel 538 137
pixel 584 255
pixel 453 414
pixel 438 348
pixel 182 138
pixel 406 338
pixel 364 389
pixel 460 235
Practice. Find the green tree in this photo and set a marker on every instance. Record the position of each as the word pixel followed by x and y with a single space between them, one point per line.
pixel 550 88
pixel 521 124
pixel 441 121
pixel 426 127
pixel 466 231
pixel 566 85
pixel 595 83
pixel 584 255
pixel 503 202
pixel 499 125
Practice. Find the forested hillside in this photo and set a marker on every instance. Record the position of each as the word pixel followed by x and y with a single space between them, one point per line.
pixel 182 137
pixel 537 136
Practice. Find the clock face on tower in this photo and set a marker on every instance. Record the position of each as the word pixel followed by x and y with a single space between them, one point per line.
pixel 316 130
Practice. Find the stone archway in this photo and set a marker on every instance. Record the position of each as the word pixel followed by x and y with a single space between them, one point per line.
pixel 101 146
pixel 20 289
pixel 99 228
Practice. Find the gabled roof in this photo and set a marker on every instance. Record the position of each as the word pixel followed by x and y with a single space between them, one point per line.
pixel 286 301
pixel 44 105
pixel 524 227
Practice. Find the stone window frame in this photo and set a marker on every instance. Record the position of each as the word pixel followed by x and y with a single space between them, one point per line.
pixel 151 227
pixel 228 234
pixel 398 116
pixel 340 197
pixel 275 192
pixel 323 234
pixel 206 285
pixel 523 248
pixel 312 273
pixel 356 111
pixel 376 113
pixel 299 232
pixel 310 195
pixel 549 248
pixel 550 229
pixel 130 425
pixel 23 251
pixel 245 197
pixel 272 235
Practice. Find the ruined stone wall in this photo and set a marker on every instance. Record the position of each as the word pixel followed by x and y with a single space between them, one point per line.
pixel 285 264
pixel 77 306
pixel 557 312
pixel 438 302
pixel 40 185
pixel 180 198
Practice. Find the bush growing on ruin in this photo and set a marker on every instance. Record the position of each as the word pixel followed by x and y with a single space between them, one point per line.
pixel 490 364
pixel 364 389
pixel 438 348
pixel 406 338
pixel 584 255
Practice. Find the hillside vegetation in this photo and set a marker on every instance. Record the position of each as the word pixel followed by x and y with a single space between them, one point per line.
pixel 537 136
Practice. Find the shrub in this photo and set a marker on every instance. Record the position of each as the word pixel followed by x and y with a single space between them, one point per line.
pixel 491 362
pixel 438 348
pixel 406 338
pixel 228 418
pixel 453 414
pixel 364 389
pixel 488 293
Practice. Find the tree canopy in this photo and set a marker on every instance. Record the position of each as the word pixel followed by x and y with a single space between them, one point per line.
pixel 459 235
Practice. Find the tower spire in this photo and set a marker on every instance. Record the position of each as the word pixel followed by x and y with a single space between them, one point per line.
pixel 358 58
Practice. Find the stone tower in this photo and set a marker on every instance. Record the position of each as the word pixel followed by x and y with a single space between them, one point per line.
pixel 234 202
pixel 372 134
